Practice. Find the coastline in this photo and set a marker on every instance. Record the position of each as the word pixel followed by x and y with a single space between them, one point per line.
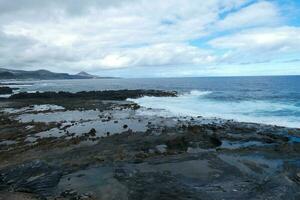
pixel 267 101
pixel 103 148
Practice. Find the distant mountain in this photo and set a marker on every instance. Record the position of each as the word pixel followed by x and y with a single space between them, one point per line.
pixel 84 74
pixel 43 75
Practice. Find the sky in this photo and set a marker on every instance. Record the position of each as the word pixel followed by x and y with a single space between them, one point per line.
pixel 152 38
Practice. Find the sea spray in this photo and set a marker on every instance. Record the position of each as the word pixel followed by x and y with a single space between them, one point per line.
pixel 199 103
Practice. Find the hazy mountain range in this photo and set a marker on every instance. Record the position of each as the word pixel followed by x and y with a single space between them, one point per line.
pixel 43 75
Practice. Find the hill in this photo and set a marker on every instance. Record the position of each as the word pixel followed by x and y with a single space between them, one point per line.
pixel 42 75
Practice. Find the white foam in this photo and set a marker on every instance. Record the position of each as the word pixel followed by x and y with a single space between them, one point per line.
pixel 198 93
pixel 5 95
pixel 17 86
pixel 35 108
pixel 196 103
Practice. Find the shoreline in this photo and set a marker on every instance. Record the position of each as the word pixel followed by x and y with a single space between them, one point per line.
pixel 137 95
pixel 82 148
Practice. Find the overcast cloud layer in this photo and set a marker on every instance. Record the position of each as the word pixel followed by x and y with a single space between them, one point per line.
pixel 151 38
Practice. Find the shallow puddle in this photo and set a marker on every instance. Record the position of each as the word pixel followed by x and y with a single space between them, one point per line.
pixel 34 108
pixel 60 116
pixel 237 145
pixel 111 127
pixel 7 142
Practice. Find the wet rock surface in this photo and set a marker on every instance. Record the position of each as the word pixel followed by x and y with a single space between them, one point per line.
pixel 108 149
pixel 6 90
pixel 157 185
pixel 31 177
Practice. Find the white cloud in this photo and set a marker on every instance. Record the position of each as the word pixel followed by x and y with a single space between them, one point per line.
pixel 261 13
pixel 111 36
pixel 100 34
pixel 158 55
pixel 50 36
pixel 114 61
pixel 259 44
pixel 271 39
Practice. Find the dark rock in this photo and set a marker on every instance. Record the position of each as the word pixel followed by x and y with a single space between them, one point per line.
pixel 100 95
pixel 177 144
pixel 278 138
pixel 125 126
pixel 69 193
pixel 121 173
pixel 92 132
pixel 6 90
pixel 156 185
pixel 33 177
pixel 215 141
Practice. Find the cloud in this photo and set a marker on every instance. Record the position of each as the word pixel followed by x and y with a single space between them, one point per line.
pixel 74 35
pixel 109 35
pixel 273 39
pixel 257 14
pixel 157 55
pixel 259 44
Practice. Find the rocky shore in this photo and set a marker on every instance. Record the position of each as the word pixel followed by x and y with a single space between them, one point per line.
pixel 6 90
pixel 100 95
pixel 98 145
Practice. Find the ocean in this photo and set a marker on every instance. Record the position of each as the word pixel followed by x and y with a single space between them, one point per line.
pixel 271 100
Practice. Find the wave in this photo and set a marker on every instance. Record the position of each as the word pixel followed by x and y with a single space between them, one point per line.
pixel 199 93
pixel 197 103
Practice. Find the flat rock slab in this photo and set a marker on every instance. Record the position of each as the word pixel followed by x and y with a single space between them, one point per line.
pixel 32 177
pixel 17 196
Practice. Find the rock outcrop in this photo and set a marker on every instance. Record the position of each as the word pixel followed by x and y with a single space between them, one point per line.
pixel 6 90
pixel 100 95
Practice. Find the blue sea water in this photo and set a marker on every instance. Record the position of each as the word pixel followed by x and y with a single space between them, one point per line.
pixel 270 100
